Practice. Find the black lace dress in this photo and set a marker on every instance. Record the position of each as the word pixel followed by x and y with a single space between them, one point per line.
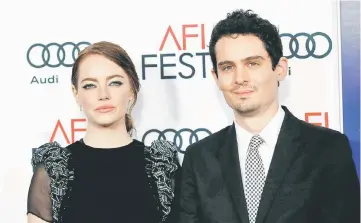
pixel 110 185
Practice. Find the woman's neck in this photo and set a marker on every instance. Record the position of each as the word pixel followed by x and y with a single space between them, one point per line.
pixel 107 137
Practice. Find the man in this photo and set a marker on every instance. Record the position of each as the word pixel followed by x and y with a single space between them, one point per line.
pixel 268 166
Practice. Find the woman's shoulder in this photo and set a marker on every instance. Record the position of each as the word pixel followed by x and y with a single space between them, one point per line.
pixel 49 152
pixel 163 151
pixel 162 165
pixel 164 147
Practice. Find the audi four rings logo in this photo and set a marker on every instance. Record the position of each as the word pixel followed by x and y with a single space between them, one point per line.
pixel 177 136
pixel 310 46
pixel 54 54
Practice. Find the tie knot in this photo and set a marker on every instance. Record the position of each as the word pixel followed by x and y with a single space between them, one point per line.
pixel 256 142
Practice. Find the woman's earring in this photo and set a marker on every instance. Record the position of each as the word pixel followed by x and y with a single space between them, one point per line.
pixel 81 108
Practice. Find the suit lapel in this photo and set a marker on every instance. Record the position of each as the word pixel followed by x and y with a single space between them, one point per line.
pixel 229 160
pixel 285 150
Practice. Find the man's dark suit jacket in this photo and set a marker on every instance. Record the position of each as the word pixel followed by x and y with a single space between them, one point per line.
pixel 312 178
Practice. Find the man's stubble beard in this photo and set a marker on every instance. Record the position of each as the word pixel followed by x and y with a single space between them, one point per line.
pixel 246 110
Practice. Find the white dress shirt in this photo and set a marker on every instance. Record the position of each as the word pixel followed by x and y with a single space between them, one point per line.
pixel 269 134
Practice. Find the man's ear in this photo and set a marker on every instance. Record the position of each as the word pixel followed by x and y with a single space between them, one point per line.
pixel 282 69
pixel 215 77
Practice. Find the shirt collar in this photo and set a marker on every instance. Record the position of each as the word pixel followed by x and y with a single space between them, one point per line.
pixel 269 133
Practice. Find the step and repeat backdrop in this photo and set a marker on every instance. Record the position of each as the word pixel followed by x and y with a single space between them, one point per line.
pixel 168 42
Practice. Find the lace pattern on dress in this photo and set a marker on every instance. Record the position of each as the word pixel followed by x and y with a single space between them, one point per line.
pixel 161 165
pixel 55 160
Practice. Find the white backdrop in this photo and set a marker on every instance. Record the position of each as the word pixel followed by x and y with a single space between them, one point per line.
pixel 30 111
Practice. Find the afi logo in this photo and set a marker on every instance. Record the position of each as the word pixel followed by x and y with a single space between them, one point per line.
pixel 184 64
pixel 317 118
pixel 60 130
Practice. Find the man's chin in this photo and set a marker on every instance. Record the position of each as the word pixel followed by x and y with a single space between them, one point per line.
pixel 247 110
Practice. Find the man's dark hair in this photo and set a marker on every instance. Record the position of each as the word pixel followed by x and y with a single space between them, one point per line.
pixel 242 22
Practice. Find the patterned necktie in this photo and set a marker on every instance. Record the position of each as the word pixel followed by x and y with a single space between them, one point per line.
pixel 255 177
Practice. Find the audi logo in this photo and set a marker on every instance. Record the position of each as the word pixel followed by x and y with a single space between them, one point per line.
pixel 54 54
pixel 311 48
pixel 178 137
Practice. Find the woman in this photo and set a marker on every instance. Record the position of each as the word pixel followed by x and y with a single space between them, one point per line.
pixel 106 176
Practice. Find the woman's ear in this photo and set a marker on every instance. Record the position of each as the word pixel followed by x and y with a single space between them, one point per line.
pixel 75 94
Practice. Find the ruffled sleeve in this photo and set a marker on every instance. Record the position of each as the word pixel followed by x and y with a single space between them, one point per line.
pixel 48 162
pixel 163 165
pixel 166 155
pixel 39 201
